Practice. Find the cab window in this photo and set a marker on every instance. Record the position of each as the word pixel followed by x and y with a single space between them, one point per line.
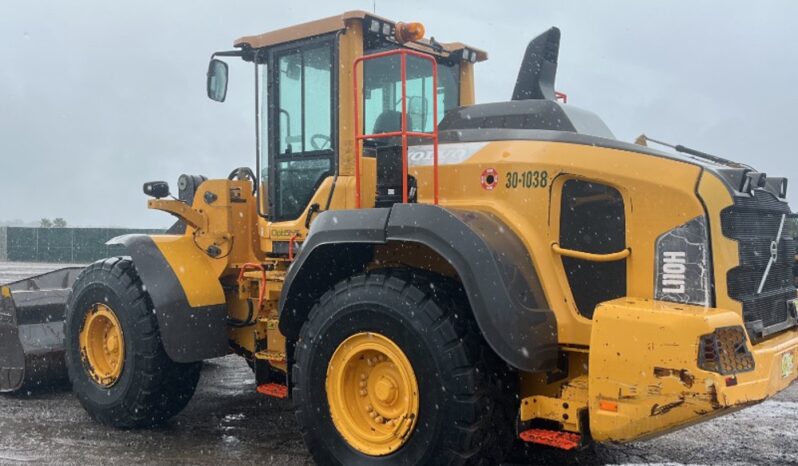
pixel 382 93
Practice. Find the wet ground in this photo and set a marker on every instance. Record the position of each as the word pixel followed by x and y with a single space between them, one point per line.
pixel 227 422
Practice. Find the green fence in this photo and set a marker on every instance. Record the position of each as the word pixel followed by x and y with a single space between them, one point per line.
pixel 66 245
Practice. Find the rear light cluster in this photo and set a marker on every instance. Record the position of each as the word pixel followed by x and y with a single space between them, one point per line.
pixel 725 351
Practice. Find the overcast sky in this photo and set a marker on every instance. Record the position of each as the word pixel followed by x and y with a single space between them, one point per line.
pixel 98 97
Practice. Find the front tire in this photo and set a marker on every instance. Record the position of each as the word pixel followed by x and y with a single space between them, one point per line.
pixel 118 367
pixel 416 333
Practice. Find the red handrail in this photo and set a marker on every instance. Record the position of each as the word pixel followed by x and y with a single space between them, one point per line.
pixel 404 133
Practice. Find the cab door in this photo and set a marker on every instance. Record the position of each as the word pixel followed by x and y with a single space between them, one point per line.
pixel 302 135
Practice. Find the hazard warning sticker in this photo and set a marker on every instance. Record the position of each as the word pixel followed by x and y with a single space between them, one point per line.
pixel 490 178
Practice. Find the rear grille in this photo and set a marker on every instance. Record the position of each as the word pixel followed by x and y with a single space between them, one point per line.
pixel 754 222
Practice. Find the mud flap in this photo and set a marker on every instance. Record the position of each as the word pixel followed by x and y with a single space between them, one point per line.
pixel 189 332
pixel 32 330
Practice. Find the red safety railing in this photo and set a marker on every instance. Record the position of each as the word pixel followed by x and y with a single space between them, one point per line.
pixel 404 133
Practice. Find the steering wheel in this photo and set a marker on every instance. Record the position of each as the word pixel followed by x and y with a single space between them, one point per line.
pixel 325 141
pixel 243 174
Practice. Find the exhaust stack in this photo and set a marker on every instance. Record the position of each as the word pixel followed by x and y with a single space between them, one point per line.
pixel 539 68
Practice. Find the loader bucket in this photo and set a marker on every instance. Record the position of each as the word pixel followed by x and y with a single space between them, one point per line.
pixel 32 329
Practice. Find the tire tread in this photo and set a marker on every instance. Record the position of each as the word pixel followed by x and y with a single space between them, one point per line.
pixel 478 380
pixel 163 387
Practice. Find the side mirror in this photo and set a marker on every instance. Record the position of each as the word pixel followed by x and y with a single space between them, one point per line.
pixel 156 189
pixel 217 80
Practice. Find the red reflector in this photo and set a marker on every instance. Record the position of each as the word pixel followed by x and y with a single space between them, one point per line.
pixel 552 438
pixel 731 381
pixel 605 405
pixel 273 389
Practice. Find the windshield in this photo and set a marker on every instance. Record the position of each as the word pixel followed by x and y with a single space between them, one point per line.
pixel 382 93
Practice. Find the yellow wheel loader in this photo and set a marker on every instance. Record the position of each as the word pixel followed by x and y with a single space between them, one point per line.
pixel 430 280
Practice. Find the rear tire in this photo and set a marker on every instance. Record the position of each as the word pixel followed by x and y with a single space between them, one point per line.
pixel 463 388
pixel 150 388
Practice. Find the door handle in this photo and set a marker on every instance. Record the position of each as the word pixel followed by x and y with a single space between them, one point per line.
pixel 589 256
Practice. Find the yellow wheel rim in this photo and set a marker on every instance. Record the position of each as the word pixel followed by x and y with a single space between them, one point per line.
pixel 102 345
pixel 373 393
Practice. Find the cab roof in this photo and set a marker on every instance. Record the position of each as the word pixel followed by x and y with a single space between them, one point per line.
pixel 333 24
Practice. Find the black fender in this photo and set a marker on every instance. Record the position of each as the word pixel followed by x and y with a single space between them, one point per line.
pixel 494 267
pixel 188 333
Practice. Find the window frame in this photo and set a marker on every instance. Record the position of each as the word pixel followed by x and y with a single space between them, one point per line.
pixel 375 45
pixel 273 55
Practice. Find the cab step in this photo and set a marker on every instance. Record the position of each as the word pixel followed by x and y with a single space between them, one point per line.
pixel 551 438
pixel 273 389
pixel 271 356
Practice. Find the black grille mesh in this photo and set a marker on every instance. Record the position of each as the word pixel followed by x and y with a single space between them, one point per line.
pixel 754 223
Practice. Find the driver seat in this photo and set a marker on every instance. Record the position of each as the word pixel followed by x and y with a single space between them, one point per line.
pixel 388 154
pixel 390 121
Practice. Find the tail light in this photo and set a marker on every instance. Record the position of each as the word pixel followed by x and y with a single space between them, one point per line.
pixel 725 351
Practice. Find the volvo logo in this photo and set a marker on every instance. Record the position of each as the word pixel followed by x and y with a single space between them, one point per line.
pixel 774 250
pixel 774 255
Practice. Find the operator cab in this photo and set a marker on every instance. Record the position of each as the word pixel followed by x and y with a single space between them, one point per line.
pixel 304 80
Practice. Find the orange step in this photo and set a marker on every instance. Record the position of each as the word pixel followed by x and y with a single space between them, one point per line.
pixel 552 438
pixel 273 389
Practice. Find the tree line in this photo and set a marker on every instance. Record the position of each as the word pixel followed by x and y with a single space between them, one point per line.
pixel 55 223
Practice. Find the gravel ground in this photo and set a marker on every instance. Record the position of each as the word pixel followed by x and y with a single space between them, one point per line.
pixel 228 422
